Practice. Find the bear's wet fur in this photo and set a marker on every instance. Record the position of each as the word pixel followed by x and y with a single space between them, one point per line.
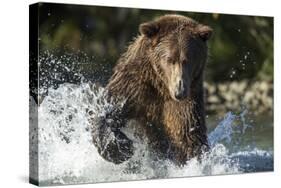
pixel 174 124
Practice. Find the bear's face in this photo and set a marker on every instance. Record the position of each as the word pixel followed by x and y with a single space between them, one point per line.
pixel 178 51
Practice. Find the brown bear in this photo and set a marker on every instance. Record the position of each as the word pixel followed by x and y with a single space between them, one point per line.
pixel 160 77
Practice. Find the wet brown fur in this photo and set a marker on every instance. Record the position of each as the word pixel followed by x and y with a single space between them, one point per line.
pixel 175 128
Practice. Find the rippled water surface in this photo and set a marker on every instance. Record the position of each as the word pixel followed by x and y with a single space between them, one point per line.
pixel 239 143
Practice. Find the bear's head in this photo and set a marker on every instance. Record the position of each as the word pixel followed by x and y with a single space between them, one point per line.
pixel 177 51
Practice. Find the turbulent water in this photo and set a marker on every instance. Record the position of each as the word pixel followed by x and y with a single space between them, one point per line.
pixel 67 156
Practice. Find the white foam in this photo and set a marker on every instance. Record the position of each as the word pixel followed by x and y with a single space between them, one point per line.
pixel 67 155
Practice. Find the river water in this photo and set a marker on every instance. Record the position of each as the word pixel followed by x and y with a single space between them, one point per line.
pixel 240 143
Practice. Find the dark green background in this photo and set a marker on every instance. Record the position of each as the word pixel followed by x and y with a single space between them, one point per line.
pixel 241 46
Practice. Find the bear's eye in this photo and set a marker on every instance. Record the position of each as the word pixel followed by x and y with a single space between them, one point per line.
pixel 170 60
pixel 184 61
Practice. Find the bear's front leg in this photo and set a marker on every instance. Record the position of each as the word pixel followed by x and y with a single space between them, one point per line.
pixel 184 124
pixel 112 144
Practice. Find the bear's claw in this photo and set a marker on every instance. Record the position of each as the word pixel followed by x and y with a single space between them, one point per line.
pixel 112 144
pixel 118 149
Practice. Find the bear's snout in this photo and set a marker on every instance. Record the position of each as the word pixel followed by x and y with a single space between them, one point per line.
pixel 182 90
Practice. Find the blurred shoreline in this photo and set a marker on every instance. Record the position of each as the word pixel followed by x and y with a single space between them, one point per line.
pixel 256 96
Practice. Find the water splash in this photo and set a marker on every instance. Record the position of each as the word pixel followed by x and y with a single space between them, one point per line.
pixel 223 131
pixel 67 155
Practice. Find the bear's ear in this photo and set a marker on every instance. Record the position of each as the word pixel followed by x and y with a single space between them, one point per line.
pixel 205 32
pixel 149 29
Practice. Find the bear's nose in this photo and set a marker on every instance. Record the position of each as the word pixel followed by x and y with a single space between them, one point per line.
pixel 180 85
pixel 181 92
pixel 182 95
pixel 179 96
